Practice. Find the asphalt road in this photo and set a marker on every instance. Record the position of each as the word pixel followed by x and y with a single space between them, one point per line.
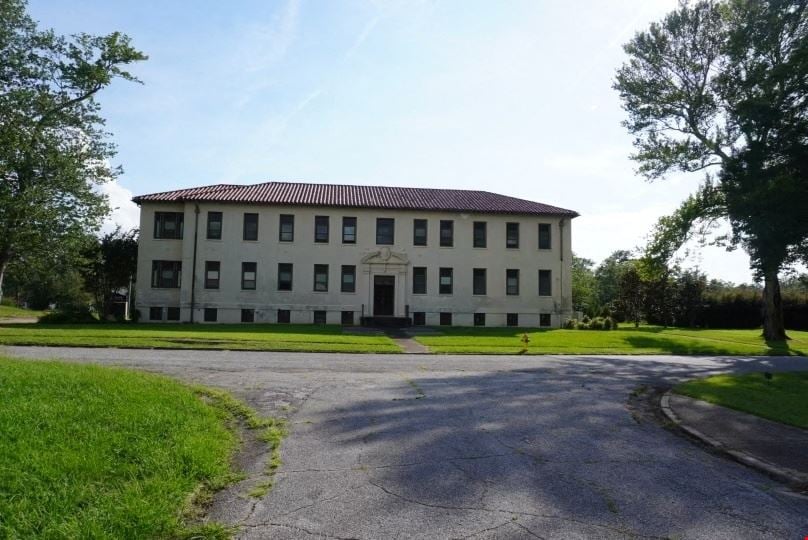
pixel 419 446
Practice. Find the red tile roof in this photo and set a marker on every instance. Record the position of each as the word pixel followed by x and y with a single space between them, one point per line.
pixel 389 198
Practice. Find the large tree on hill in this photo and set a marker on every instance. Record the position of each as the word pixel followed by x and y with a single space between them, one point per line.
pixel 722 87
pixel 54 151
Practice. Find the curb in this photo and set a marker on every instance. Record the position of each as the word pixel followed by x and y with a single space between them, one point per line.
pixel 783 474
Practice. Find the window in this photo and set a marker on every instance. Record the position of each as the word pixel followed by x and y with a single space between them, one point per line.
pixel 284 276
pixel 348 280
pixel 419 229
pixel 385 231
pixel 480 234
pixel 166 274
pixel 248 315
pixel 347 318
pixel 446 319
pixel 419 318
pixel 212 274
pixel 210 314
pixel 446 233
pixel 286 229
pixel 321 277
pixel 168 224
pixel 479 284
pixel 155 314
pixel 511 282
pixel 512 235
pixel 251 227
pixel 445 283
pixel 214 225
pixel 248 275
pixel 321 229
pixel 419 280
pixel 284 316
pixel 479 319
pixel 349 230
pixel 512 319
pixel 319 317
pixel 544 319
pixel 545 241
pixel 545 283
pixel 173 314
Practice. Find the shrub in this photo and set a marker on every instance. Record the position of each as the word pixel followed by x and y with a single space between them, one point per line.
pixel 598 323
pixel 70 314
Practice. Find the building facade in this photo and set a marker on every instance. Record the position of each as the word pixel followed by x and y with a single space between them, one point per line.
pixel 311 253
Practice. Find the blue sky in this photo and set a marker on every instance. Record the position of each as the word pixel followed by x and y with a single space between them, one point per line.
pixel 513 97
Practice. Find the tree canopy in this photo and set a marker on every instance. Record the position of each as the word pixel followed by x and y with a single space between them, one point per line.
pixel 720 87
pixel 54 151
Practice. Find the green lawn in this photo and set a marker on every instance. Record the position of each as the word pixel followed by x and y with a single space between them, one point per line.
pixel 626 340
pixel 13 312
pixel 258 337
pixel 784 398
pixel 96 452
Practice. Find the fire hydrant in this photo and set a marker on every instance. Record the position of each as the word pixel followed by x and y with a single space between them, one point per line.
pixel 525 341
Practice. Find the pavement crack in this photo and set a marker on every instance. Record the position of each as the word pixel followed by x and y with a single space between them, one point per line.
pixel 489 529
pixel 528 531
pixel 297 528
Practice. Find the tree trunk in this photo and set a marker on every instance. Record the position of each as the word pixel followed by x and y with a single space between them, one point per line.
pixel 3 266
pixel 773 324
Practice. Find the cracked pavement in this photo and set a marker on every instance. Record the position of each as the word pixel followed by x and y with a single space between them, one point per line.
pixel 415 446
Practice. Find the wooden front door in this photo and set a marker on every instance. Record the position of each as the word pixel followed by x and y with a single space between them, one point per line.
pixel 384 294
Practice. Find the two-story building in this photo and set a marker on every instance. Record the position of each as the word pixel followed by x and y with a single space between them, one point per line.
pixel 284 252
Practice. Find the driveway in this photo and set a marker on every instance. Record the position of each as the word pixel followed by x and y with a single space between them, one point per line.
pixel 480 447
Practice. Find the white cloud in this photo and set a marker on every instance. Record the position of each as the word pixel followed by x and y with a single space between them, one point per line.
pixel 125 213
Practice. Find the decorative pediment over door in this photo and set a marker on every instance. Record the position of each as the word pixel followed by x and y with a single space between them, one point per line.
pixel 385 256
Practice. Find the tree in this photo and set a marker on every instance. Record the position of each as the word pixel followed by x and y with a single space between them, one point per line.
pixel 721 86
pixel 631 295
pixel 53 149
pixel 607 275
pixel 584 285
pixel 112 264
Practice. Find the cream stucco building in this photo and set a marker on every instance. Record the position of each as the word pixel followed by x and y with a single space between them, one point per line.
pixel 313 253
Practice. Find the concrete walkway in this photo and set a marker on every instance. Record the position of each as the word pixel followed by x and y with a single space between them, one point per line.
pixel 774 448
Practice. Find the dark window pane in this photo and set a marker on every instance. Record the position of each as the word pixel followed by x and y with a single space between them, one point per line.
pixel 385 231
pixel 173 314
pixel 214 225
pixel 419 318
pixel 511 282
pixel 212 274
pixel 480 284
pixel 321 277
pixel 249 272
pixel 321 229
pixel 446 233
pixel 348 278
pixel 247 315
pixel 347 318
pixel 544 319
pixel 479 319
pixel 211 314
pixel 166 274
pixel 545 283
pixel 284 316
pixel 250 226
pixel 512 235
pixel 545 241
pixel 349 230
pixel 419 280
pixel 286 228
pixel 446 319
pixel 319 317
pixel 419 229
pixel 168 224
pixel 480 234
pixel 446 281
pixel 284 276
pixel 513 319
pixel 155 314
